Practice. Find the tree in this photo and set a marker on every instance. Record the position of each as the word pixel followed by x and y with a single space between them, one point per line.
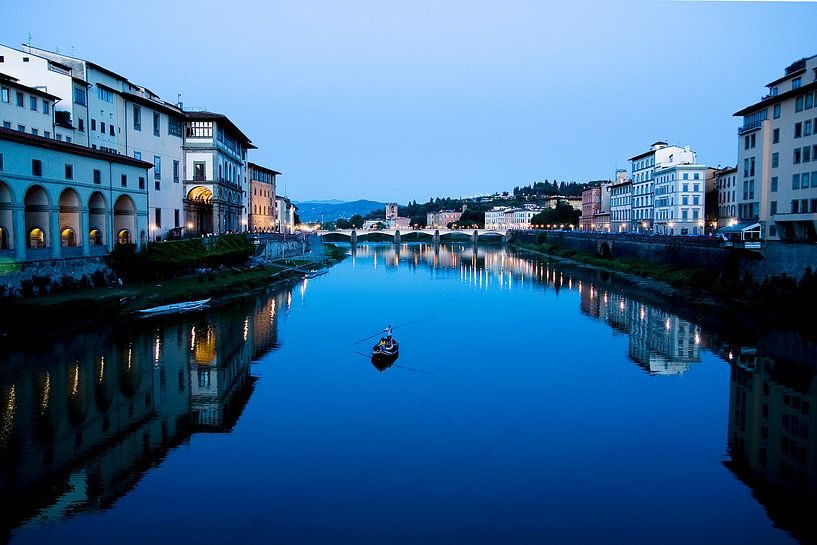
pixel 356 221
pixel 343 223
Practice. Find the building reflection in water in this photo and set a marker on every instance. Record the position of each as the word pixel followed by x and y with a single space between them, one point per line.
pixel 772 439
pixel 772 436
pixel 83 420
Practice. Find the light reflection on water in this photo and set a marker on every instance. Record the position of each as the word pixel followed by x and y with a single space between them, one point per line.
pixel 86 419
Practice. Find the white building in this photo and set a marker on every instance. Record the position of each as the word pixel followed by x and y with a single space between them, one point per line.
pixel 644 165
pixel 285 214
pixel 777 149
pixel 26 109
pixel 522 217
pixel 621 194
pixel 216 200
pixel 679 199
pixel 495 218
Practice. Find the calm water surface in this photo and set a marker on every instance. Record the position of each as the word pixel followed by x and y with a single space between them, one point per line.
pixel 532 403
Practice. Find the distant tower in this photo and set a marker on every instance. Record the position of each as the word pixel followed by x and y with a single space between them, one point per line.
pixel 391 211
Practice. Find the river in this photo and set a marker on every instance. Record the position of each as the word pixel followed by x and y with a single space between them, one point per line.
pixel 532 402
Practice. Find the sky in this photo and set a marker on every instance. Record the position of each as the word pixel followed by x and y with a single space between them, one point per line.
pixel 404 100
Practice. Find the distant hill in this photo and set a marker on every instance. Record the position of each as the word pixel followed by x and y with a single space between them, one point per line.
pixel 333 209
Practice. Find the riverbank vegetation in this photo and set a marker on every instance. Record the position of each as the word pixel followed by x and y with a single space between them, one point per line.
pixel 78 307
pixel 778 298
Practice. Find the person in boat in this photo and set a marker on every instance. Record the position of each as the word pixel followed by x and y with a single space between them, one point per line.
pixel 388 331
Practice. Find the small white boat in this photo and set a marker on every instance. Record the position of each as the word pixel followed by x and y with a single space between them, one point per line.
pixel 176 307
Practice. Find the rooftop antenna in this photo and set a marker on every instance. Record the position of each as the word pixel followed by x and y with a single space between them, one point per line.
pixel 72 50
pixel 56 49
pixel 29 39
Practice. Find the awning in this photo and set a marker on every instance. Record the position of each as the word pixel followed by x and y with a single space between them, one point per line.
pixel 740 228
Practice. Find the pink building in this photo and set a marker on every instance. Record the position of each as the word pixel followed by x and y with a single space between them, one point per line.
pixel 591 205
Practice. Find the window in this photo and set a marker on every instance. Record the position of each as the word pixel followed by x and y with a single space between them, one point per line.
pixel 81 124
pixel 686 175
pixel 93 124
pixel 176 218
pixel 104 94
pixel 141 182
pixel 157 168
pixel 174 126
pixel 20 99
pixel 80 96
pixel 47 134
pixel 697 175
pixel 35 132
pixel 776 136
pixel 797 154
pixel 200 129
pixel 795 83
pixel 175 171
pixel 156 123
pixel 111 130
pixel 809 101
pixel 814 179
pixel 6 124
pixel 806 154
pixel 46 107
pixel 36 167
pixel 21 128
pixel 124 179
pixel 795 181
pixel 68 139
pixel 69 172
pixel 775 159
pixel 776 111
pixel 752 166
pixel 102 127
pixel 798 130
pixel 137 118
pixel 198 171
pixel 157 218
pixel 97 176
pixel 1 161
pixel 4 94
pixel 137 155
pixel 807 128
pixel 798 104
pixel 774 184
pixel 773 210
pixel 804 180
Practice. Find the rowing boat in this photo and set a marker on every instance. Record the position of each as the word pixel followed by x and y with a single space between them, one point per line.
pixel 176 307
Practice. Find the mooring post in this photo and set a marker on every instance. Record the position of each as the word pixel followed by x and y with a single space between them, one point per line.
pixel 354 237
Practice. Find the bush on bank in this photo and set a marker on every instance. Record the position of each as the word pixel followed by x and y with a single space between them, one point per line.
pixel 160 260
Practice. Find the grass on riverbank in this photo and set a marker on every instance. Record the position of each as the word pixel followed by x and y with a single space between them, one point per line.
pixel 95 304
pixel 685 277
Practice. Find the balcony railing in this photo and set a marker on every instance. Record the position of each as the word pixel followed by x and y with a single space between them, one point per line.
pixel 750 126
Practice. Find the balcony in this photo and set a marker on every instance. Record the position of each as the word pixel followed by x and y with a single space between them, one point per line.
pixel 750 126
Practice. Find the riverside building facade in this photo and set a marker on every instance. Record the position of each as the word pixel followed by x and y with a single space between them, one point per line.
pixel 679 199
pixel 776 157
pixel 262 198
pixel 726 188
pixel 199 182
pixel 60 200
pixel 644 165
pixel 621 195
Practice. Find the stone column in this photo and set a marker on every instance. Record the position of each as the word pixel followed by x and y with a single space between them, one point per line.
pixel 54 235
pixel 397 238
pixel 18 226
pixel 84 225
pixel 436 236
pixel 354 237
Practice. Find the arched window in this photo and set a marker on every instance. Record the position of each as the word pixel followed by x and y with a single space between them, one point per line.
pixel 68 238
pixel 4 239
pixel 123 236
pixel 36 238
pixel 94 237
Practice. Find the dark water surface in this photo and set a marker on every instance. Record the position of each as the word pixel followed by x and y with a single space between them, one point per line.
pixel 534 403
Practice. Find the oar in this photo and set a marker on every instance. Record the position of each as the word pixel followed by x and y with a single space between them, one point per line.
pixel 369 337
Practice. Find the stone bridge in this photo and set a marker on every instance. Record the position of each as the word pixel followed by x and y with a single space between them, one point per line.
pixel 435 235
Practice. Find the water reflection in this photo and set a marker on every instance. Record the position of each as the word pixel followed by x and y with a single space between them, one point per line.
pixel 772 435
pixel 84 419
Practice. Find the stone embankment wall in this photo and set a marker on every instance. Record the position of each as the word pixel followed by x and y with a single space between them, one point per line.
pixel 775 259
pixel 274 246
pixel 32 278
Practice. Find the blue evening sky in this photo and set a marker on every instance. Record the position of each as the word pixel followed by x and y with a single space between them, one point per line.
pixel 412 99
